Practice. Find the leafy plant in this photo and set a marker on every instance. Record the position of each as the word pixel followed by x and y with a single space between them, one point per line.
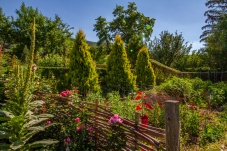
pixel 212 133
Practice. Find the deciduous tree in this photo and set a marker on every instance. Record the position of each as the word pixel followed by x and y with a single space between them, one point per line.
pixel 169 48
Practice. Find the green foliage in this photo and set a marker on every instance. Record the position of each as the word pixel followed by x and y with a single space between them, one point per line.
pixel 218 94
pixel 216 8
pixel 99 53
pixel 197 60
pixel 82 68
pixel 187 90
pixel 144 71
pixel 51 60
pixel 216 48
pixel 124 107
pixel 5 30
pixel 212 133
pixel 133 47
pixel 189 121
pixel 119 76
pixel 169 49
pixel 51 35
pixel 116 139
pixel 18 123
pixel 157 116
pixel 129 23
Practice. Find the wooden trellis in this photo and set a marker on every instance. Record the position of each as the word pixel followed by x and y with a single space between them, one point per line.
pixel 138 136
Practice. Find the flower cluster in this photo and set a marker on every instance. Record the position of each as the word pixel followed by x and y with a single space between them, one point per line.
pixel 66 141
pixel 65 93
pixel 48 122
pixel 115 119
pixel 144 119
pixel 138 97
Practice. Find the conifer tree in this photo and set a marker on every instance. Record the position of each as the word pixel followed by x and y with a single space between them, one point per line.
pixel 82 67
pixel 144 71
pixel 119 75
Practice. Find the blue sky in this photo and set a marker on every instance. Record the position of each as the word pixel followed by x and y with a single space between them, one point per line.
pixel 183 16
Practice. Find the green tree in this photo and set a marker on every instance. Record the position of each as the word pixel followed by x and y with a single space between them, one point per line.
pixel 98 53
pixel 5 30
pixel 144 71
pixel 82 68
pixel 216 8
pixel 51 35
pixel 194 61
pixel 216 45
pixel 119 75
pixel 133 47
pixel 129 23
pixel 169 49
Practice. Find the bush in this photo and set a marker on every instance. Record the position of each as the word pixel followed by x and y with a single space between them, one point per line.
pixel 119 75
pixel 212 133
pixel 144 71
pixel 82 67
pixel 52 60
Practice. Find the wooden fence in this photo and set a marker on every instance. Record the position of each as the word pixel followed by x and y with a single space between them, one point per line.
pixel 138 136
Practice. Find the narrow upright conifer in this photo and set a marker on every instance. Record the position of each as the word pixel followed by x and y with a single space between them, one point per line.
pixel 119 75
pixel 144 71
pixel 82 67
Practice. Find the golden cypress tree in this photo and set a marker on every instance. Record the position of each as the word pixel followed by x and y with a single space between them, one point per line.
pixel 144 71
pixel 82 68
pixel 119 75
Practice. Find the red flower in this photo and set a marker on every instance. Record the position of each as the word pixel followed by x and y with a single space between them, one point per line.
pixel 138 97
pixel 138 107
pixel 140 94
pixel 144 119
pixel 148 106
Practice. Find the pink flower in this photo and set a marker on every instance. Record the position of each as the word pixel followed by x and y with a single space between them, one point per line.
pixel 82 126
pixel 115 119
pixel 48 122
pixel 90 129
pixel 77 129
pixel 65 93
pixel 68 139
pixel 77 120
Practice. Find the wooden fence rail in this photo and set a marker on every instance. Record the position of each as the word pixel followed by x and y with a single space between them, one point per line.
pixel 138 136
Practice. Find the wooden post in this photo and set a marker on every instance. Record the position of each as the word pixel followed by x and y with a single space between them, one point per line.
pixel 172 125
pixel 137 121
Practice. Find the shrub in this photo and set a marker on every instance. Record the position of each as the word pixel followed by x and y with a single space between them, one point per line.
pixel 119 75
pixel 144 71
pixel 189 121
pixel 52 60
pixel 82 68
pixel 212 133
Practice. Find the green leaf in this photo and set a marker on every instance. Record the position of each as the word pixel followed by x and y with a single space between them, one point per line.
pixel 29 135
pixel 42 143
pixel 34 122
pixel 45 115
pixel 17 145
pixel 37 128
